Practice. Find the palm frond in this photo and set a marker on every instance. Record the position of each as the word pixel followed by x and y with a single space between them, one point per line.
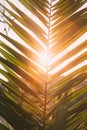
pixel 53 95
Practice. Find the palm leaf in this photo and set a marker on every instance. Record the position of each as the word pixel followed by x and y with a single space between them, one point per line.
pixel 51 95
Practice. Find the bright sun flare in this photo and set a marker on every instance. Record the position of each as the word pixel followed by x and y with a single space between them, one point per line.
pixel 44 59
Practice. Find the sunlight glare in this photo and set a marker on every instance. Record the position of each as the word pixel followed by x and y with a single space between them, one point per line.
pixel 44 59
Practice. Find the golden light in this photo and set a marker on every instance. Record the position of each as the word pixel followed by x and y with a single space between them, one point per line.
pixel 44 59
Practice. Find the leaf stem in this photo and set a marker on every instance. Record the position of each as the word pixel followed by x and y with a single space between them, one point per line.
pixel 46 77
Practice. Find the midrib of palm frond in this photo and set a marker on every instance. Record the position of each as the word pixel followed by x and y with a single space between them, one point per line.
pixel 47 66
